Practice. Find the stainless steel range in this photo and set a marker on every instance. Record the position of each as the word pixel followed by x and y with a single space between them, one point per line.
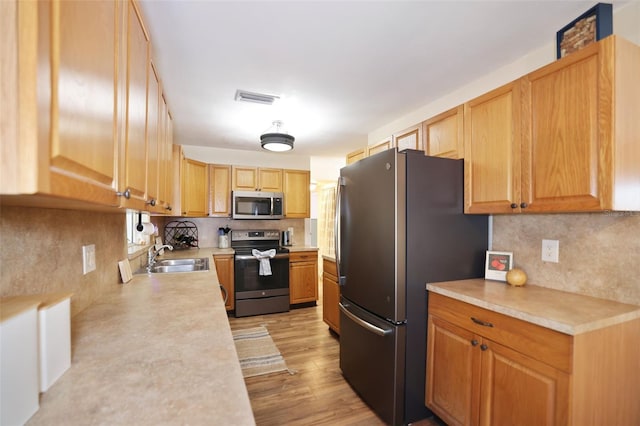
pixel 258 290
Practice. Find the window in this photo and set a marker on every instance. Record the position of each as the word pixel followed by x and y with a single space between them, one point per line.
pixel 137 240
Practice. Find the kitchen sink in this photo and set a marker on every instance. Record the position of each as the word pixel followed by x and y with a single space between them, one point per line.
pixel 179 265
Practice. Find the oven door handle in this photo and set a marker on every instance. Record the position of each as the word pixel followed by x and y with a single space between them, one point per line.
pixel 250 256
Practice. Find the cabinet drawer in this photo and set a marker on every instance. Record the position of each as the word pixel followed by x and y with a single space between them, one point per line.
pixel 303 256
pixel 546 345
pixel 329 267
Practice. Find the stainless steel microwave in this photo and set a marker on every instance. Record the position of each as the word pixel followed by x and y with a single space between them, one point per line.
pixel 257 205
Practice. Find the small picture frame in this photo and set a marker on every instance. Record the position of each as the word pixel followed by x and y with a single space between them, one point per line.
pixel 498 263
pixel 593 25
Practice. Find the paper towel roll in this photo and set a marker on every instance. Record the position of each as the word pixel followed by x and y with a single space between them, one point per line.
pixel 148 228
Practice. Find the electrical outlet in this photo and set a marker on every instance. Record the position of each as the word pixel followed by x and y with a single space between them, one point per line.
pixel 550 251
pixel 88 258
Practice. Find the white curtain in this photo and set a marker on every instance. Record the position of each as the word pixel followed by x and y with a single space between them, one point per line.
pixel 326 218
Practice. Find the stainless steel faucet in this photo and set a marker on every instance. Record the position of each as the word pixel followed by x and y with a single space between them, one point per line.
pixel 152 254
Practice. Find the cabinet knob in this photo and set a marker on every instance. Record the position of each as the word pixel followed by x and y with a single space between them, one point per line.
pixel 524 205
pixel 514 206
pixel 168 208
pixel 484 347
pixel 151 202
pixel 126 193
pixel 474 342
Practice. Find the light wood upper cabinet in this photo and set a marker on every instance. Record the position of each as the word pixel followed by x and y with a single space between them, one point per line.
pixel 297 197
pixel 155 133
pixel 492 143
pixel 582 147
pixel 220 190
pixel 444 134
pixel 194 188
pixel 563 138
pixel 379 147
pixel 58 132
pixel 134 156
pixel 410 138
pixel 256 179
pixel 354 156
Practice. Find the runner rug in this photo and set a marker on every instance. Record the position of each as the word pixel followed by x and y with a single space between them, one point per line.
pixel 257 353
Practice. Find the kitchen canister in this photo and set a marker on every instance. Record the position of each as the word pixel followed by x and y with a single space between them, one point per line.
pixel 223 237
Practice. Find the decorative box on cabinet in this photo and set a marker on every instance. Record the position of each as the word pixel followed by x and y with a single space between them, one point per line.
pixel 330 295
pixel 444 134
pixel 303 277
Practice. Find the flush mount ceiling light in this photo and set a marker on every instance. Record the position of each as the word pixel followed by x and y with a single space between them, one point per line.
pixel 258 98
pixel 276 140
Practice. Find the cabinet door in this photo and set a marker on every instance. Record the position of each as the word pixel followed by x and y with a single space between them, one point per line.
pixel 194 188
pixel 303 277
pixel 135 150
pixel 410 138
pixel 297 197
pixel 444 133
pixel 330 297
pixel 492 143
pixel 224 268
pixel 270 180
pixel 154 134
pixel 354 156
pixel 220 190
pixel 453 369
pixel 169 170
pixel 245 178
pixel 518 390
pixel 565 168
pixel 379 147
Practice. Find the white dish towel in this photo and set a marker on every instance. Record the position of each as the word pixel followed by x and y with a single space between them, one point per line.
pixel 263 257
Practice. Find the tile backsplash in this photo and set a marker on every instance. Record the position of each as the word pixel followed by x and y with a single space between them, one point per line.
pixel 41 252
pixel 599 252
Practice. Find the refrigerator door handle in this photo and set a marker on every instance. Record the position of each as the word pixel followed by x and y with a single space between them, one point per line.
pixel 337 235
pixel 362 323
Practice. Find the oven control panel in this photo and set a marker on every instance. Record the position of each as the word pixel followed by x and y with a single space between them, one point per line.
pixel 255 235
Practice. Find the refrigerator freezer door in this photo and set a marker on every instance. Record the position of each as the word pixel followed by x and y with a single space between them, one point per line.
pixel 372 360
pixel 372 234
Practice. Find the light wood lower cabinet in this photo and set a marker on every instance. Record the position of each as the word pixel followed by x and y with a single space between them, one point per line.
pixel 330 295
pixel 485 368
pixel 224 269
pixel 303 277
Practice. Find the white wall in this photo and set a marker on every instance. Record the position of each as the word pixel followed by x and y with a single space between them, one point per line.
pixel 246 158
pixel 626 23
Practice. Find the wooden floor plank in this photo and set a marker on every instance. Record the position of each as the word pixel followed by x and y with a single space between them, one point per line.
pixel 314 393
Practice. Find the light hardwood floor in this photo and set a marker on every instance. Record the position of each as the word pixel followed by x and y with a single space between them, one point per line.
pixel 315 393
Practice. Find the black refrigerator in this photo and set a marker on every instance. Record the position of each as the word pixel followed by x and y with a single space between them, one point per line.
pixel 399 225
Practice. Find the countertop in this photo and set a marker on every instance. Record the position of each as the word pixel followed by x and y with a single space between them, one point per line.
pixel 568 313
pixel 156 350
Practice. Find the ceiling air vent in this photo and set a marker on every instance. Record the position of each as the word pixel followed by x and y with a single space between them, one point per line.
pixel 258 98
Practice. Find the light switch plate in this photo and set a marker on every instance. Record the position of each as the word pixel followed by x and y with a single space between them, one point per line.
pixel 88 258
pixel 550 251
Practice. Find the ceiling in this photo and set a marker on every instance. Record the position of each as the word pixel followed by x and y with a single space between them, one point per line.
pixel 341 68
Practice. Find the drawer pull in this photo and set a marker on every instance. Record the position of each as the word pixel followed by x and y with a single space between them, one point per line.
pixel 480 322
pixel 483 347
pixel 474 342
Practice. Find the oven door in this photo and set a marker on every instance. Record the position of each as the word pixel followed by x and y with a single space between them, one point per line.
pixel 250 284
